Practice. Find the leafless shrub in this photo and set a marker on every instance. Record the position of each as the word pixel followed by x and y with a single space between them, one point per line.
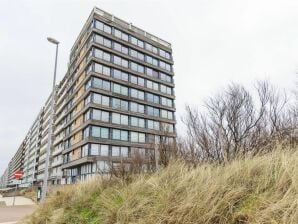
pixel 237 122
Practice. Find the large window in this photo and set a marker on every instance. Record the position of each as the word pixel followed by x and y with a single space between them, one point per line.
pixel 99 150
pixel 102 69
pixel 137 80
pixel 102 54
pixel 137 137
pixel 167 114
pixel 120 61
pixel 120 75
pixel 168 127
pixel 137 94
pixel 152 98
pixel 103 41
pixel 151 48
pixel 152 111
pixel 119 119
pixel 152 85
pixel 103 27
pixel 137 122
pixel 99 132
pixel 100 115
pixel 166 89
pixel 100 99
pixel 95 131
pixel 123 90
pixel 136 42
pixel 136 107
pixel 119 151
pixel 136 67
pixel 165 77
pixel 120 48
pixel 153 125
pixel 119 104
pixel 119 135
pixel 101 84
pixel 166 102
pixel 120 34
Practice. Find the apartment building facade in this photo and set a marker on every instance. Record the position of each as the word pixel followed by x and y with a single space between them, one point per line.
pixel 115 101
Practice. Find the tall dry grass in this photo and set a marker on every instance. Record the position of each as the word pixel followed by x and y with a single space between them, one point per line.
pixel 263 189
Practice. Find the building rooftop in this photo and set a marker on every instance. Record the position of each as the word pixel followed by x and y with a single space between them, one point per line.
pixel 125 25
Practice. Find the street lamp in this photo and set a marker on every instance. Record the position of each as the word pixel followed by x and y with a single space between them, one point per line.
pixel 46 172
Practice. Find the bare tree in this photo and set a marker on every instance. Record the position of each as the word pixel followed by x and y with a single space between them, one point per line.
pixel 237 122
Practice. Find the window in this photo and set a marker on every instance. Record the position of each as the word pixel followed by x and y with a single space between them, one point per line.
pixel 166 89
pixel 100 99
pixel 135 107
pixel 137 122
pixel 119 135
pixel 102 166
pixel 104 150
pixel 101 26
pixel 120 48
pixel 107 29
pixel 123 90
pixel 120 61
pixel 152 111
pixel 168 127
pixel 167 102
pixel 100 115
pixel 167 114
pixel 165 77
pixel 152 98
pixel 124 151
pixel 100 83
pixel 119 104
pixel 99 132
pixel 164 54
pixel 103 41
pixel 102 54
pixel 120 34
pixel 137 54
pixel 134 40
pixel 136 67
pixel 119 119
pixel 102 69
pixel 137 137
pixel 115 151
pixel 120 75
pixel 153 125
pixel 137 94
pixel 94 149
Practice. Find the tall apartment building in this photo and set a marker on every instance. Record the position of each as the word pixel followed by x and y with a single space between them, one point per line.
pixel 32 151
pixel 115 101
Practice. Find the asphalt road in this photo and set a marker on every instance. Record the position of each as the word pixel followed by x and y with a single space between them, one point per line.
pixel 12 214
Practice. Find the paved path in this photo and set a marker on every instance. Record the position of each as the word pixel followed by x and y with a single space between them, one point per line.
pixel 11 214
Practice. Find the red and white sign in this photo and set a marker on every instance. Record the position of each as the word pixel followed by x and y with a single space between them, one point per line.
pixel 18 174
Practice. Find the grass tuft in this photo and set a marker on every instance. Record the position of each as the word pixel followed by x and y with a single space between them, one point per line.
pixel 262 189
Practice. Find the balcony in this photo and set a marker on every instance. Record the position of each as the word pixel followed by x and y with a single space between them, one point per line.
pixel 56 163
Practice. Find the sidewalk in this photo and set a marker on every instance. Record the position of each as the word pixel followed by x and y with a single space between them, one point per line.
pixel 20 200
pixel 11 214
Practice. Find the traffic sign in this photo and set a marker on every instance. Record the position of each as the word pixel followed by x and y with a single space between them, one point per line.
pixel 18 174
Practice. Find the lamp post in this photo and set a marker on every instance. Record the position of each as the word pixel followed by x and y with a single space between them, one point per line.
pixel 46 172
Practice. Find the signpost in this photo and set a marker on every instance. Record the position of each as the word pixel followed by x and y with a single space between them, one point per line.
pixel 18 175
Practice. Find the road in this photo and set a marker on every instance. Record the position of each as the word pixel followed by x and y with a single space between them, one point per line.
pixel 11 214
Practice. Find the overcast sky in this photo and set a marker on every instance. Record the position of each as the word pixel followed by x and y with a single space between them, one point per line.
pixel 215 42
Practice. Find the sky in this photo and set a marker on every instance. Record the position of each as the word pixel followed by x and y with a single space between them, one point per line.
pixel 214 43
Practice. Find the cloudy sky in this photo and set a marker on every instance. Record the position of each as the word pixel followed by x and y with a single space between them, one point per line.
pixel 215 42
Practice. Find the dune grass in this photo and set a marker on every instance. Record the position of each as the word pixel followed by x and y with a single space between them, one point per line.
pixel 263 189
